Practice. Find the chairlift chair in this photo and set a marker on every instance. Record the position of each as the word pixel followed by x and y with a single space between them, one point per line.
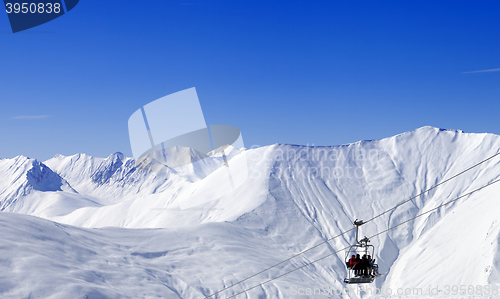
pixel 362 248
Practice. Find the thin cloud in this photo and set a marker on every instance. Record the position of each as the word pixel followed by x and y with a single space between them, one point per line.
pixel 31 117
pixel 483 71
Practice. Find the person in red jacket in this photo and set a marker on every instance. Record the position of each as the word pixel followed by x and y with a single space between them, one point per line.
pixel 351 262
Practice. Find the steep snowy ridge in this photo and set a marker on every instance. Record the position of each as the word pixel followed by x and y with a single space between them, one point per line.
pixel 23 176
pixel 108 168
pixel 294 197
pixel 77 169
pixel 106 180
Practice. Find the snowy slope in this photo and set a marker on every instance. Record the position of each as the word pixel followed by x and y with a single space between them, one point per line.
pixel 294 198
pixel 43 259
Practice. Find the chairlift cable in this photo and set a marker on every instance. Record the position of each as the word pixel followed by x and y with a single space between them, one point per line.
pixel 302 252
pixel 343 233
pixel 433 209
pixel 432 187
pixel 369 238
pixel 289 272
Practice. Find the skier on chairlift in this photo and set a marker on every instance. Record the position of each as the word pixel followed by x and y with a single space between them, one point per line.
pixel 351 262
pixel 364 270
pixel 357 267
pixel 365 264
pixel 370 264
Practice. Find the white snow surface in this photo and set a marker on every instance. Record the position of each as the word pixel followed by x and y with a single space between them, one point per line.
pixel 114 231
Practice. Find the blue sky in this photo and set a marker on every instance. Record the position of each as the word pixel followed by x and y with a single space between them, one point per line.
pixel 299 72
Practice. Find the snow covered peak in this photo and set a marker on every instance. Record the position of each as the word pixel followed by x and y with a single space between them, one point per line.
pixel 58 157
pixel 108 168
pixel 172 157
pixel 42 178
pixel 430 130
pixel 33 172
pixel 19 159
pixel 22 176
pixel 117 156
pixel 76 169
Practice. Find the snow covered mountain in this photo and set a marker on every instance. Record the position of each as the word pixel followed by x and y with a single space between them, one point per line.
pixel 196 237
pixel 22 176
pixel 30 187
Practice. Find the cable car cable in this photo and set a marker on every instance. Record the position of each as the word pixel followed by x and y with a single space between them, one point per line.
pixel 432 187
pixel 286 273
pixel 433 209
pixel 343 233
pixel 302 252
